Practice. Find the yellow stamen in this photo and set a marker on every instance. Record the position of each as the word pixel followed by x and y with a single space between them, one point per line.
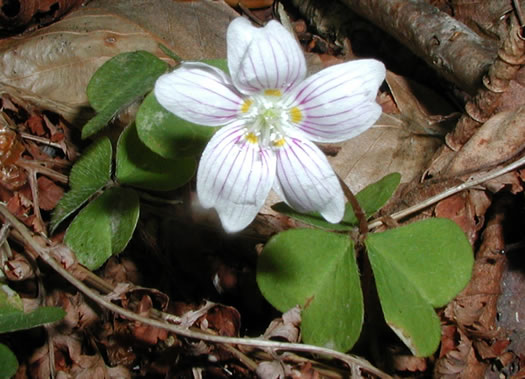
pixel 279 142
pixel 296 115
pixel 272 92
pixel 246 105
pixel 252 138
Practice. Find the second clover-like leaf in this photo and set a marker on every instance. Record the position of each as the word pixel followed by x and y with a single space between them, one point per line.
pixel 418 267
pixel 317 271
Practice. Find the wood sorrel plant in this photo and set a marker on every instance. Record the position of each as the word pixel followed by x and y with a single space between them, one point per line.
pixel 269 115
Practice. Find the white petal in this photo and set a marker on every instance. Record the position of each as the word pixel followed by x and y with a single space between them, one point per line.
pixel 199 93
pixel 307 182
pixel 263 58
pixel 234 177
pixel 338 102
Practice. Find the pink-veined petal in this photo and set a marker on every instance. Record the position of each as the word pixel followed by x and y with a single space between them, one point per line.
pixel 234 177
pixel 338 102
pixel 199 93
pixel 263 58
pixel 306 181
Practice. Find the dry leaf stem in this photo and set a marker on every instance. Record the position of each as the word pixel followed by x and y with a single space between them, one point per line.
pixel 473 181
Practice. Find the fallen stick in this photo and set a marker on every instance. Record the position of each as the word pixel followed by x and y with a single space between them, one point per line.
pixel 448 46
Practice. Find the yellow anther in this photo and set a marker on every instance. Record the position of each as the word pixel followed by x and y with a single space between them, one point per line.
pixel 296 115
pixel 252 138
pixel 246 105
pixel 279 143
pixel 272 92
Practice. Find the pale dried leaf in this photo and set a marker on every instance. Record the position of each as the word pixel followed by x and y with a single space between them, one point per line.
pixel 501 138
pixel 189 318
pixel 52 66
pixel 287 327
pixel 271 370
pixel 385 148
pixel 193 30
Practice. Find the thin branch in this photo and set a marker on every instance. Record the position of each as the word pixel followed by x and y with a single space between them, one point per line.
pixel 451 191
pixel 30 165
pixel 351 360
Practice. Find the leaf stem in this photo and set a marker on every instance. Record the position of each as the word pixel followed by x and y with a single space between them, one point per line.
pixel 358 211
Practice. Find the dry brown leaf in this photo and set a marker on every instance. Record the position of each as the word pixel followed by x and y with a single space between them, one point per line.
pixel 467 209
pixel 224 319
pixel 52 66
pixel 501 138
pixel 48 193
pixel 460 363
pixel 385 148
pixel 422 109
pixel 401 143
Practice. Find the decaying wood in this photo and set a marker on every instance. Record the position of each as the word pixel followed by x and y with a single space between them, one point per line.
pixel 448 46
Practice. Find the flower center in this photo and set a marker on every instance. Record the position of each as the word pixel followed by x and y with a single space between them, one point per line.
pixel 268 119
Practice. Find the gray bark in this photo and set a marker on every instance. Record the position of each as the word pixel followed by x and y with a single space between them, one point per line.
pixel 447 45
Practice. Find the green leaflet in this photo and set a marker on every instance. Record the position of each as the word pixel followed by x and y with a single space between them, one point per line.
pixel 89 174
pixel 119 82
pixel 316 270
pixel 138 166
pixel 417 268
pixel 104 227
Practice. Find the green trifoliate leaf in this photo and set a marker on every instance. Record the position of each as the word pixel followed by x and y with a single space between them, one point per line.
pixel 119 82
pixel 104 227
pixel 168 135
pixel 138 166
pixel 371 198
pixel 418 267
pixel 89 174
pixel 8 362
pixel 316 270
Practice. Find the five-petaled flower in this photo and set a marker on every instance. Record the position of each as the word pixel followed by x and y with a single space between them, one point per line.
pixel 270 114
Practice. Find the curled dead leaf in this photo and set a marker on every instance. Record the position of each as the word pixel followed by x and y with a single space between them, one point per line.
pixel 286 327
pixel 501 138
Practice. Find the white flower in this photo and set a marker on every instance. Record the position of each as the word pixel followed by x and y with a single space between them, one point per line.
pixel 270 115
